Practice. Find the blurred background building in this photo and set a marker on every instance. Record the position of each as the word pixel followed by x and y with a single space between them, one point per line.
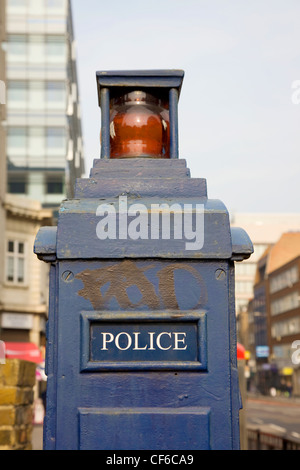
pixel 268 300
pixel 41 155
pixel 264 229
pixel 274 317
pixel 44 137
pixel 2 141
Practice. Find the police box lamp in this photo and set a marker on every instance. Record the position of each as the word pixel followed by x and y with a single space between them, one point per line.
pixel 139 113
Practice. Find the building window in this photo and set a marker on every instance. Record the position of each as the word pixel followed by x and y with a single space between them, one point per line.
pixel 54 183
pixel 17 3
pixel 55 4
pixel 286 303
pixel 284 279
pixel 34 141
pixel 37 48
pixel 55 186
pixel 17 47
pixel 17 93
pixel 36 95
pixel 259 250
pixel 56 95
pixel 286 328
pixel 282 352
pixel 15 262
pixel 16 138
pixel 244 287
pixel 56 137
pixel 56 48
pixel 17 187
pixel 245 269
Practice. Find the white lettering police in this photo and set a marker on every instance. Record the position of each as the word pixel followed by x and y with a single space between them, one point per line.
pixel 163 341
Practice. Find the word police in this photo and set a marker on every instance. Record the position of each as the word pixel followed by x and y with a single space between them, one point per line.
pixel 151 342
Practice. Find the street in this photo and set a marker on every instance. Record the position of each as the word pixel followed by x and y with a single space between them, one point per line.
pixel 281 416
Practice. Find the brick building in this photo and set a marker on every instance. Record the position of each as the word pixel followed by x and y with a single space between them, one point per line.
pixel 274 315
pixel 283 297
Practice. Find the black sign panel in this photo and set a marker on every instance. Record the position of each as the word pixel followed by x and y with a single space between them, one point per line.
pixel 143 341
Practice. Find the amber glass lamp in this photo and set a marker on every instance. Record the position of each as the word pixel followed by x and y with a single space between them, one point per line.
pixel 139 113
pixel 139 126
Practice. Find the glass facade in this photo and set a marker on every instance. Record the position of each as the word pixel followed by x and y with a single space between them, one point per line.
pixel 36 6
pixel 44 141
pixel 36 95
pixel 36 49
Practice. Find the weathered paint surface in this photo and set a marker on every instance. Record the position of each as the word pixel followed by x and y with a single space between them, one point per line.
pixel 122 317
pixel 120 277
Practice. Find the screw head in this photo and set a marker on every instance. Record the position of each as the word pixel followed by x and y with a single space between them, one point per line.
pixel 67 276
pixel 220 274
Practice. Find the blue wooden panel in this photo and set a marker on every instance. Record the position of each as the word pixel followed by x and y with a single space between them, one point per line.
pixel 130 163
pixel 78 221
pixel 146 172
pixel 188 401
pixel 144 429
pixel 115 177
pixel 113 187
pixel 70 388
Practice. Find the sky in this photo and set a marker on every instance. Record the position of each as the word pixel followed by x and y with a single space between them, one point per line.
pixel 239 109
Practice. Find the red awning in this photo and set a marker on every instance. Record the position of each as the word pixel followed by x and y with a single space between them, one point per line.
pixel 240 351
pixel 24 351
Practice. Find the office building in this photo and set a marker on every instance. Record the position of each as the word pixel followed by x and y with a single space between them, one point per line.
pixel 274 317
pixel 24 290
pixel 258 343
pixel 264 229
pixel 44 139
pixel 283 299
pixel 23 279
pixel 261 375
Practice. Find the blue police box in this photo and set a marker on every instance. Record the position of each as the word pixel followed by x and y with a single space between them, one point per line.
pixel 141 336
